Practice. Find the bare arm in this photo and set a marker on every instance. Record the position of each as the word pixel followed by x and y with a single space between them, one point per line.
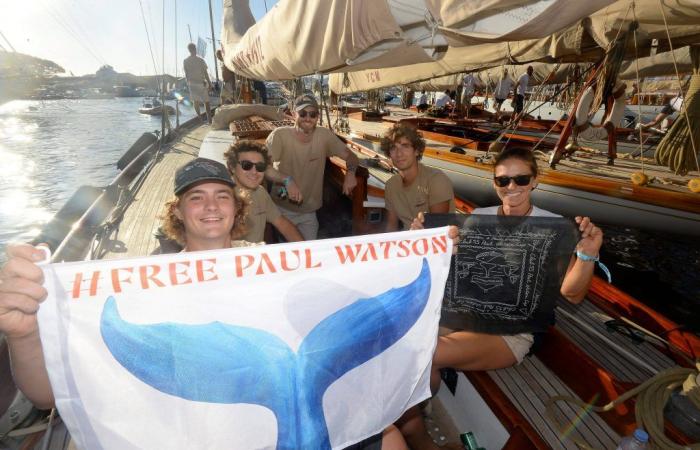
pixel 440 208
pixel 392 221
pixel 278 177
pixel 351 162
pixel 20 294
pixel 578 276
pixel 288 229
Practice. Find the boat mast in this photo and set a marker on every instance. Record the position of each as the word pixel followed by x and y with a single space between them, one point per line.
pixel 213 45
pixel 177 101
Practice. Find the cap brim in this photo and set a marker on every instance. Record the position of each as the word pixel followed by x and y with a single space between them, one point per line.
pixel 305 105
pixel 182 189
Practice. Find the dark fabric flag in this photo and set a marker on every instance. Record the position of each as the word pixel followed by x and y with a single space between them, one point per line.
pixel 507 273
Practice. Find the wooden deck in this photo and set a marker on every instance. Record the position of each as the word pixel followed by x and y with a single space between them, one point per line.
pixel 136 233
pixel 590 162
pixel 530 385
pixel 629 360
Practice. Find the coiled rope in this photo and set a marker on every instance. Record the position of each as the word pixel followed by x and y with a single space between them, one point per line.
pixel 652 396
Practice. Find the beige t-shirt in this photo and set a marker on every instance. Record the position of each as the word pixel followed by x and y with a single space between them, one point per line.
pixel 305 162
pixel 261 210
pixel 195 69
pixel 430 187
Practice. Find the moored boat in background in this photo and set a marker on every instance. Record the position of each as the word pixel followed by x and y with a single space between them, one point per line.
pixel 153 107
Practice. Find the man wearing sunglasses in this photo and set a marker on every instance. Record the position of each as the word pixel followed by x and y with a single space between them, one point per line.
pixel 301 151
pixel 416 188
pixel 247 162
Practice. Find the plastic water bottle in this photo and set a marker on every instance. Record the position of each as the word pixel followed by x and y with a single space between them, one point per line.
pixel 639 440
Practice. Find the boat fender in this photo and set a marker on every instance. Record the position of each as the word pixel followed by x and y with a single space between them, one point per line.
pixel 694 185
pixel 459 150
pixel 62 222
pixel 141 143
pixel 617 112
pixel 639 179
pixel 584 106
pixel 615 115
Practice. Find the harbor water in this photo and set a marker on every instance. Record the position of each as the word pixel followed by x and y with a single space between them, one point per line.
pixel 48 149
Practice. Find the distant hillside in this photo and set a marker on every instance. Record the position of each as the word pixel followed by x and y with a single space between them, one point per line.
pixel 20 65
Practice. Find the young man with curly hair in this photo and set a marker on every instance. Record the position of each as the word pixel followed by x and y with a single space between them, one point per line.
pixel 247 161
pixel 416 188
pixel 207 212
pixel 205 215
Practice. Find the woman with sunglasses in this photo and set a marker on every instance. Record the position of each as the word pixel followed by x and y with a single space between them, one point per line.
pixel 247 162
pixel 515 176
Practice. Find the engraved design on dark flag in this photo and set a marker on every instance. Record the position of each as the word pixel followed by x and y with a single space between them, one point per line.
pixel 507 273
pixel 499 272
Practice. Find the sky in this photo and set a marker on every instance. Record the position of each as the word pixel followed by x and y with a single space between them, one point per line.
pixel 82 35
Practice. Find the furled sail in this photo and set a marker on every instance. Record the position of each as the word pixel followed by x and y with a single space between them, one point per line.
pixel 582 42
pixel 658 65
pixel 237 20
pixel 302 37
pixel 484 21
pixel 661 64
pixel 465 59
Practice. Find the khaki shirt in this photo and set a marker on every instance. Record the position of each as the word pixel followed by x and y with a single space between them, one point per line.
pixel 305 162
pixel 261 211
pixel 430 187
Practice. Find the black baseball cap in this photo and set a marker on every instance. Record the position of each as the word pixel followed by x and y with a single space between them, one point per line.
pixel 304 101
pixel 201 169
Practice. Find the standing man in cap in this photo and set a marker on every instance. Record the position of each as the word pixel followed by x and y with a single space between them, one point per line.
pixel 198 80
pixel 301 151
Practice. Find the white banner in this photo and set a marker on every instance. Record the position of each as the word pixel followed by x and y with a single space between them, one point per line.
pixel 305 345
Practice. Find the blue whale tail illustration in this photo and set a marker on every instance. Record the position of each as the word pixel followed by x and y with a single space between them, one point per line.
pixel 222 363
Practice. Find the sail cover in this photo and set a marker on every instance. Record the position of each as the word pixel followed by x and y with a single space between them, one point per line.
pixel 463 59
pixel 304 345
pixel 302 37
pixel 661 64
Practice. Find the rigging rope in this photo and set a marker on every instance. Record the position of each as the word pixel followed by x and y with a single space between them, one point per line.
pixel 673 150
pixel 148 37
pixel 639 90
pixel 684 106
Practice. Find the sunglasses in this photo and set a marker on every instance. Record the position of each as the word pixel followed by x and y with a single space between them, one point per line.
pixel 259 166
pixel 520 180
pixel 312 114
